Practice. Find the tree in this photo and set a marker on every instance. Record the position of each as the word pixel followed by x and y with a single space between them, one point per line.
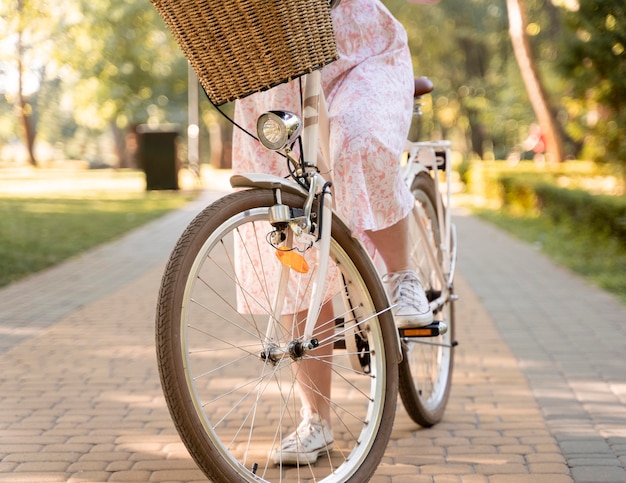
pixel 30 28
pixel 462 46
pixel 534 87
pixel 128 68
pixel 79 68
pixel 593 58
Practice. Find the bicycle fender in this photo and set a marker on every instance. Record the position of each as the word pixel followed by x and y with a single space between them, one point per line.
pixel 266 181
pixel 410 170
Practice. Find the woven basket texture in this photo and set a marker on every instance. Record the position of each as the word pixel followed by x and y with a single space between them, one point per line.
pixel 239 47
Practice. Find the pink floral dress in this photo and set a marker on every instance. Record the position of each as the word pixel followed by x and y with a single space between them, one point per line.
pixel 369 92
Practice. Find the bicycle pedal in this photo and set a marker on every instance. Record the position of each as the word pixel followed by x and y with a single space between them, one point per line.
pixel 438 327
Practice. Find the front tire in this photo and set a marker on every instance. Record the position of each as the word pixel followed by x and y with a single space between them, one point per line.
pixel 231 405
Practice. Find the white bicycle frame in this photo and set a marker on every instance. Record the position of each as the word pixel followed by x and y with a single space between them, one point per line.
pixel 315 134
pixel 315 122
pixel 425 156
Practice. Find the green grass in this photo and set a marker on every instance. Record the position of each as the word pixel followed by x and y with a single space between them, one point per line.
pixel 42 229
pixel 601 260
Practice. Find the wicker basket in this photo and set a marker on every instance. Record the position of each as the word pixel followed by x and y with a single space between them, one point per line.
pixel 239 47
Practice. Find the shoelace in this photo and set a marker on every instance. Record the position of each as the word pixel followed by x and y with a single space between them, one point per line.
pixel 307 427
pixel 405 290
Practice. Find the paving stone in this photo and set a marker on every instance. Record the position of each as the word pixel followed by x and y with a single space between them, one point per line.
pixel 130 476
pixel 536 398
pixel 36 477
pixel 82 466
pixel 552 468
pixel 545 458
pixel 576 375
pixel 398 469
pixel 584 446
pixel 530 479
pixel 37 457
pixel 591 460
pixel 46 466
pixel 406 478
pixel 487 469
pixel 91 476
pixel 593 474
pixel 177 475
pixel 474 479
pixel 118 465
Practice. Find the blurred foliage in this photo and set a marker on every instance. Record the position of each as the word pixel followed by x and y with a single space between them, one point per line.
pixel 484 179
pixel 130 70
pixel 106 67
pixel 99 67
pixel 580 192
pixel 463 47
pixel 593 58
pixel 602 215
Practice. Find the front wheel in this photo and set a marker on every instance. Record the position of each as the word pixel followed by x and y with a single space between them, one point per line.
pixel 426 369
pixel 227 360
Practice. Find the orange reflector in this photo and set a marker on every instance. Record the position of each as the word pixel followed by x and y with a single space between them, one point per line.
pixel 417 332
pixel 292 259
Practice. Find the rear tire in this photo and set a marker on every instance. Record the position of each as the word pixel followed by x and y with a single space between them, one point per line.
pixel 426 368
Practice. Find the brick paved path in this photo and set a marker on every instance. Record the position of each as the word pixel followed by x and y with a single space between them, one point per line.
pixel 539 388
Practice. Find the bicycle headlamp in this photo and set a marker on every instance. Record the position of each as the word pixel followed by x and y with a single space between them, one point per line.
pixel 277 129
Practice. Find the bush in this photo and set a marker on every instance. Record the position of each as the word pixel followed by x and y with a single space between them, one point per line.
pixel 533 194
pixel 603 215
pixel 517 193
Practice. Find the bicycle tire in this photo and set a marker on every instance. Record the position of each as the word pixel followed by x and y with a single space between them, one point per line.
pixel 426 369
pixel 222 395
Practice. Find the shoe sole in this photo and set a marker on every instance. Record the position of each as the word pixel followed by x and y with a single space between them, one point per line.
pixel 414 322
pixel 296 459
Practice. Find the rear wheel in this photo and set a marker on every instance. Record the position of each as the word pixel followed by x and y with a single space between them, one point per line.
pixel 229 382
pixel 426 369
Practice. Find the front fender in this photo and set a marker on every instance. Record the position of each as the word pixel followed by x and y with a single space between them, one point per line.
pixel 266 181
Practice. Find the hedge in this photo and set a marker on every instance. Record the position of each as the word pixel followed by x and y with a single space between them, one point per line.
pixel 601 214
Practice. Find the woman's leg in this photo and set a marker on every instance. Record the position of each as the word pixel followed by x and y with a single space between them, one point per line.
pixel 313 374
pixel 411 307
pixel 392 244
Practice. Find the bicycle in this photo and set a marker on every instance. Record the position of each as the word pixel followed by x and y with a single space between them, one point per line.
pixel 227 360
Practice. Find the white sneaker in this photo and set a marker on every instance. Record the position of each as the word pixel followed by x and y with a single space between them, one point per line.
pixel 411 309
pixel 312 438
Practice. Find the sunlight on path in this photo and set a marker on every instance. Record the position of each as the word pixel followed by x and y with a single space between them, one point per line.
pixel 79 183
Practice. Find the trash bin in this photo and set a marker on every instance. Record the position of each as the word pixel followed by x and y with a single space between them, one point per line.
pixel 156 153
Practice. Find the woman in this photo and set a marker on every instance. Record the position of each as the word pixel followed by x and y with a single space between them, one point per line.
pixel 369 92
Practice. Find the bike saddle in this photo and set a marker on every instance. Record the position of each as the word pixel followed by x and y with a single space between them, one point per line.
pixel 423 85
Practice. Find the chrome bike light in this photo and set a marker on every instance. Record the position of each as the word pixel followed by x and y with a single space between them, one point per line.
pixel 278 129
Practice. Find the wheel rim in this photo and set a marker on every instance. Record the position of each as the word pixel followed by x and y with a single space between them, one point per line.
pixel 429 359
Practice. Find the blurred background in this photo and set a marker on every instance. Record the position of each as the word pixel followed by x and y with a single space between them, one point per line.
pixel 515 79
pixel 532 94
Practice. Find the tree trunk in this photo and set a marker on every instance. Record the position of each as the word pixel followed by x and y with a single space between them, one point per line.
pixel 536 93
pixel 220 140
pixel 25 110
pixel 119 140
pixel 477 133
